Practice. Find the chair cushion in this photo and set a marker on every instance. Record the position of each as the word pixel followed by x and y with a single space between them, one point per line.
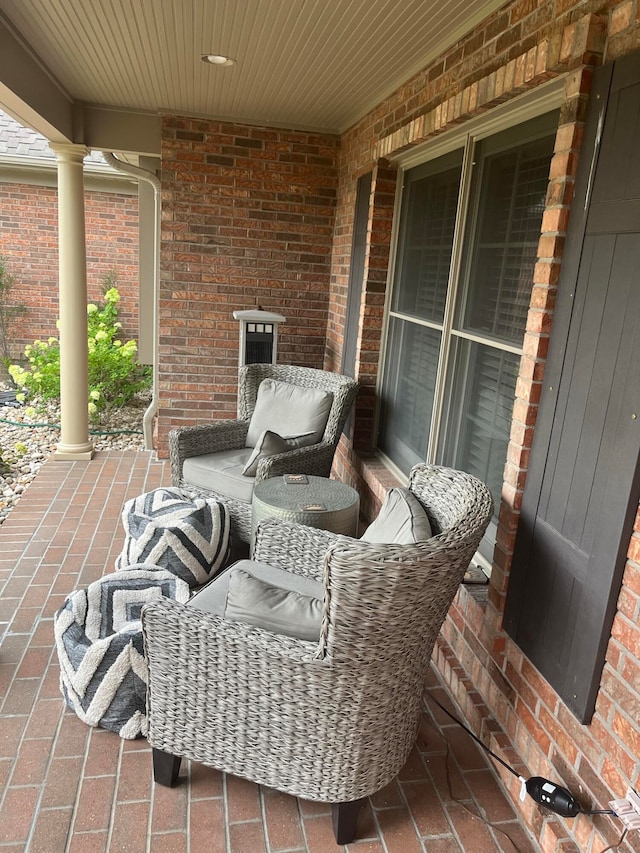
pixel 186 535
pixel 401 520
pixel 291 411
pixel 252 602
pixel 274 608
pixel 221 472
pixel 269 444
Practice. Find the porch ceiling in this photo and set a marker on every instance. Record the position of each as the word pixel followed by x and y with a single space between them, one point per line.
pixel 313 64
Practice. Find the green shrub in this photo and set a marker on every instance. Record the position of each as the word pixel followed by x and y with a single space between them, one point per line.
pixel 115 376
pixel 10 457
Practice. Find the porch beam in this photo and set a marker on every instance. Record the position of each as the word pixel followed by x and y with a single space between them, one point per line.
pixel 130 131
pixel 72 287
pixel 31 94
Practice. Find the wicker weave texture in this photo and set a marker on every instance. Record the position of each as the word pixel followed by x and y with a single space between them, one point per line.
pixel 274 498
pixel 332 721
pixel 231 434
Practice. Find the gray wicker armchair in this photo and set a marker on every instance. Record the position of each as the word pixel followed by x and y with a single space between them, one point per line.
pixel 228 435
pixel 334 720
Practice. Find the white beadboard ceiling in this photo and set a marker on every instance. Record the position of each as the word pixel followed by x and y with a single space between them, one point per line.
pixel 317 64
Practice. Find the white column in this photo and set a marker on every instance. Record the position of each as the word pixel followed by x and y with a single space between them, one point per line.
pixel 72 289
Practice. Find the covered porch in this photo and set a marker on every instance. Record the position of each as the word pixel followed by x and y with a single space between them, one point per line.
pixel 262 207
pixel 67 787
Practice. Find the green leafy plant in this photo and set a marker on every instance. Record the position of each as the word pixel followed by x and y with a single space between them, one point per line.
pixel 109 281
pixel 115 376
pixel 8 312
pixel 8 458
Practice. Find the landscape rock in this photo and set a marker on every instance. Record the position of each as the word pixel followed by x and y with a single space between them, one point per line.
pixel 27 440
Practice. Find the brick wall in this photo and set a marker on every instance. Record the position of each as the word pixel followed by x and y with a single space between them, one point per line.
pixel 29 239
pixel 517 49
pixel 247 220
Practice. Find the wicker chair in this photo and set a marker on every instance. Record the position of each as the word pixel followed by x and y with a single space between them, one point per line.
pixel 228 434
pixel 332 721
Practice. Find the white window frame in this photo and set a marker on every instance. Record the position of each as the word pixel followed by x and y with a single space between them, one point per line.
pixel 545 98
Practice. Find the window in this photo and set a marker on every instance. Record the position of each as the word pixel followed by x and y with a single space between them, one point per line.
pixel 467 245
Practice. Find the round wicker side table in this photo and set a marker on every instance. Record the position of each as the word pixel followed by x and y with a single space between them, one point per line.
pixel 316 501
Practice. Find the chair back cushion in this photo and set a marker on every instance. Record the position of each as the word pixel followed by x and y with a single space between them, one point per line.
pixel 274 608
pixel 292 411
pixel 268 597
pixel 402 520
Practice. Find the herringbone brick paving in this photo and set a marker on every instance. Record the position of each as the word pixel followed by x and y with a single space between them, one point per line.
pixel 67 788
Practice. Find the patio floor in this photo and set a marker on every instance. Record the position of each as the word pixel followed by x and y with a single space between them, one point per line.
pixel 67 787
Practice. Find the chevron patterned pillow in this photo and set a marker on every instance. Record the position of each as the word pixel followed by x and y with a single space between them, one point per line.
pixel 98 634
pixel 184 534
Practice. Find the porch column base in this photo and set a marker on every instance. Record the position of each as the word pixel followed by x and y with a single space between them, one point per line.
pixel 74 452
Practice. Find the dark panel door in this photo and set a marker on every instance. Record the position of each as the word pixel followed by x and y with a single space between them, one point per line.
pixel 583 486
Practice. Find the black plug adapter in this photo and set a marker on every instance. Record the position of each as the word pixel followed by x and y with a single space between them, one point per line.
pixel 554 797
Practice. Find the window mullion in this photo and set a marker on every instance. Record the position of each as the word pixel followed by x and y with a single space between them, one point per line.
pixel 486 341
pixel 452 290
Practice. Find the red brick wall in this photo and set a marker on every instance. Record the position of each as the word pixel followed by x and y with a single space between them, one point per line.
pixel 247 220
pixel 29 239
pixel 518 48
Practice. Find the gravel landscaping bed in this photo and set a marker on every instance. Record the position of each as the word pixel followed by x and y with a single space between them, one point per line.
pixel 27 439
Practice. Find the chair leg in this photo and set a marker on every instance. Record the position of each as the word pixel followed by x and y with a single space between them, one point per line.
pixel 165 768
pixel 345 820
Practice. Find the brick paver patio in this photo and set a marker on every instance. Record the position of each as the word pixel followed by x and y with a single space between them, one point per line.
pixel 67 787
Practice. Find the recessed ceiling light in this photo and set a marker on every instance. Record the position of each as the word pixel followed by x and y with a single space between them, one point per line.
pixel 217 59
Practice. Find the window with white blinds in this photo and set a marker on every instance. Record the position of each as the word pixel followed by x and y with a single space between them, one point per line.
pixel 455 330
pixel 407 402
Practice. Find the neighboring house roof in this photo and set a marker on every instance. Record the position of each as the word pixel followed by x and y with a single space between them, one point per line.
pixel 26 157
pixel 19 141
pixel 16 139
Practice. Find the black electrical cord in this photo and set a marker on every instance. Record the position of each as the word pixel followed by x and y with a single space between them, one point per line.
pixel 473 814
pixel 599 811
pixel 477 739
pixel 617 843
pixel 548 794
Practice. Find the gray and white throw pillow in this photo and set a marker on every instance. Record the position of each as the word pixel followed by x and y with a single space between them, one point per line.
pixel 269 444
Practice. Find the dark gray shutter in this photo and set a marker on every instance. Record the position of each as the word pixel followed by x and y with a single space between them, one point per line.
pixel 356 282
pixel 356 274
pixel 583 483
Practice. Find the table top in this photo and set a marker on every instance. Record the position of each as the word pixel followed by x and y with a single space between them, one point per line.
pixel 316 494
